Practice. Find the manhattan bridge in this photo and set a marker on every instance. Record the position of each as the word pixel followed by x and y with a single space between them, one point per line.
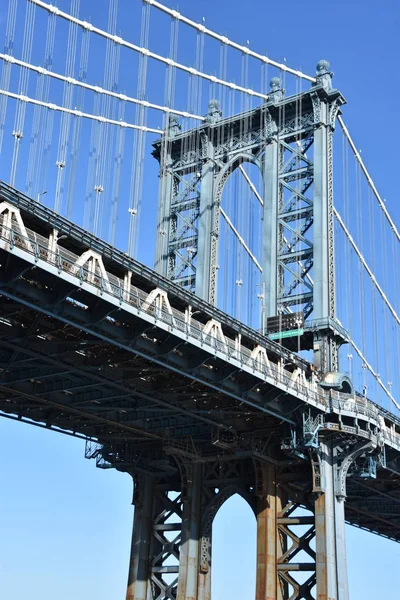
pixel 259 356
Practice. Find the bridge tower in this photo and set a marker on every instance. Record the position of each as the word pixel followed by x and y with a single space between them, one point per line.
pixel 290 140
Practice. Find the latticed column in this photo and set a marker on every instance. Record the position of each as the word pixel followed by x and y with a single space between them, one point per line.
pixel 270 545
pixel 139 571
pixel 189 562
pixel 285 530
pixel 154 563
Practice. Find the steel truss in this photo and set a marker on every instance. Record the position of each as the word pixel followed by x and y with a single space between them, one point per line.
pixel 300 528
pixel 88 347
pixel 290 140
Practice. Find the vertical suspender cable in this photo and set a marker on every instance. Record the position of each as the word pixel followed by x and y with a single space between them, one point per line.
pixel 42 157
pixel 61 162
pixel 40 113
pixel 6 68
pixel 23 87
pixel 111 76
pixel 77 123
pixel 135 195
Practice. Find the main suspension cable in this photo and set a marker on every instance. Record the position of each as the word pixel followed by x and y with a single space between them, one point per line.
pixel 78 113
pixel 369 178
pixel 245 49
pixel 95 88
pixel 366 266
pixel 144 51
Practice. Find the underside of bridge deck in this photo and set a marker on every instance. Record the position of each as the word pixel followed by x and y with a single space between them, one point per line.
pixel 62 377
pixel 189 421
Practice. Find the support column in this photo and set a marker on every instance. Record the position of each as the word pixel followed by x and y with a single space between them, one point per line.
pixel 204 263
pixel 343 583
pixel 190 539
pixel 321 234
pixel 269 544
pixel 326 103
pixel 165 195
pixel 139 564
pixel 330 546
pixel 323 239
pixel 270 228
pixel 204 585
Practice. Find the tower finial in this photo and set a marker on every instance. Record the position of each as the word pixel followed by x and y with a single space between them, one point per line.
pixel 324 75
pixel 277 92
pixel 214 111
pixel 174 126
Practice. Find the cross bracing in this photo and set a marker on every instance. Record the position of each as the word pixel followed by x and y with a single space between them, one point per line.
pixel 207 156
pixel 94 360
pixel 63 363
pixel 63 367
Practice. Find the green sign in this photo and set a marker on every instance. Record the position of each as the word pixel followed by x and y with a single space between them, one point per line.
pixel 285 334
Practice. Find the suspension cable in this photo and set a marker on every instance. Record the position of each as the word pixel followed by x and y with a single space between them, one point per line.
pixel 369 179
pixel 95 88
pixel 78 113
pixel 168 61
pixel 365 264
pixel 374 374
pixel 228 42
pixel 240 239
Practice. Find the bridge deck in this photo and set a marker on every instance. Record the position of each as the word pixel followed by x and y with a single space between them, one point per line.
pixel 129 367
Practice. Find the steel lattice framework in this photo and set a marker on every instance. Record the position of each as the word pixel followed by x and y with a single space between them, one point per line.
pixel 89 338
pixel 95 344
pixel 290 141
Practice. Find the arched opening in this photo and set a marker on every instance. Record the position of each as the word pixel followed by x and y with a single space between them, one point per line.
pixel 239 263
pixel 234 551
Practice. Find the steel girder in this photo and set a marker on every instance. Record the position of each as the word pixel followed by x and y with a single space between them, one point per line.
pixel 72 361
pixel 279 137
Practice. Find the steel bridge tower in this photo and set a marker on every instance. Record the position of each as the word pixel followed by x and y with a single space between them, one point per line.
pixel 290 140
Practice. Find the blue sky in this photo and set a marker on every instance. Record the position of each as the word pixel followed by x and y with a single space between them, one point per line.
pixel 66 525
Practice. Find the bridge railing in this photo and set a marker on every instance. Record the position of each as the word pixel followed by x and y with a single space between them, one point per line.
pixel 358 405
pixel 68 262
pixel 108 283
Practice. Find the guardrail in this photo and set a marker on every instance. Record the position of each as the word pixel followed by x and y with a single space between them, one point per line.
pixel 66 261
pixel 50 219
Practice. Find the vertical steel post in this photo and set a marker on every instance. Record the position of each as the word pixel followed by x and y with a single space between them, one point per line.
pixel 204 263
pixel 190 539
pixel 165 196
pixel 139 564
pixel 269 547
pixel 326 103
pixel 321 233
pixel 270 226
pixel 343 584
pixel 330 543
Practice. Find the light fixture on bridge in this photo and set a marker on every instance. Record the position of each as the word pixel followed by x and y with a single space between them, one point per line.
pixel 41 194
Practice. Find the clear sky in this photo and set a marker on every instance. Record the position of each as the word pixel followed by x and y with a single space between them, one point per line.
pixel 65 525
